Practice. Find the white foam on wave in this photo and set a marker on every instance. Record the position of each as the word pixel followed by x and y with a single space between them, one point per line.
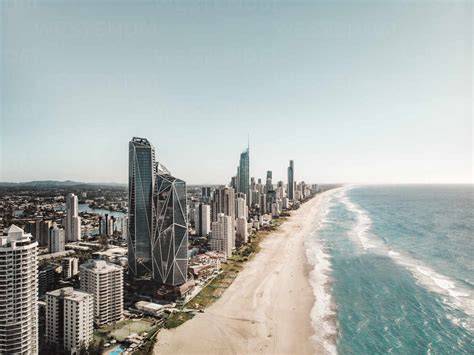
pixel 363 222
pixel 323 314
pixel 454 294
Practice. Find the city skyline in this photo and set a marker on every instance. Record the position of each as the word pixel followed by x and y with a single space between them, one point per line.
pixel 356 93
pixel 293 168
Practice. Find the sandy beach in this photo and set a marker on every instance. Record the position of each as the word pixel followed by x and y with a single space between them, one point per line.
pixel 266 309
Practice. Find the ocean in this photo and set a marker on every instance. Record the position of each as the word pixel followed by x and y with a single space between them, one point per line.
pixel 394 270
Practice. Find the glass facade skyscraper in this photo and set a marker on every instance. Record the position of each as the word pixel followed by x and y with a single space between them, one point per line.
pixel 170 245
pixel 141 222
pixel 291 180
pixel 244 174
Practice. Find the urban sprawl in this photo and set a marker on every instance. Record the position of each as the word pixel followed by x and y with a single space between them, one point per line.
pixel 87 268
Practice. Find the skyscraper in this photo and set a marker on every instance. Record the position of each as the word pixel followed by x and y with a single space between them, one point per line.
pixel 69 319
pixel 291 179
pixel 18 293
pixel 141 223
pixel 73 221
pixel 269 174
pixel 206 195
pixel 269 184
pixel 244 174
pixel 223 202
pixel 170 246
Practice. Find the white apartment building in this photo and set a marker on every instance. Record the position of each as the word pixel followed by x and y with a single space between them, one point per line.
pixel 240 208
pixel 223 234
pixel 69 318
pixel 104 281
pixel 73 221
pixel 18 293
pixel 242 234
pixel 56 239
pixel 70 267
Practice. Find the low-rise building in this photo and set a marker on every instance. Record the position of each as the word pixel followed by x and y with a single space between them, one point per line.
pixel 151 308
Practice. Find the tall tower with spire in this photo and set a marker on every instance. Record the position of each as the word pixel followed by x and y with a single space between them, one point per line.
pixel 244 174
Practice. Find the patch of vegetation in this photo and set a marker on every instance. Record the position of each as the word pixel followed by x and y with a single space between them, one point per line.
pixel 176 319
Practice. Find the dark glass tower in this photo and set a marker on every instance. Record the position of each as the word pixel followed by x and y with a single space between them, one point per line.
pixel 244 174
pixel 141 182
pixel 291 181
pixel 170 245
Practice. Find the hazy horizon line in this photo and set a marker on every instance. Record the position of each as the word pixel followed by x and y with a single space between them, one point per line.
pixel 216 184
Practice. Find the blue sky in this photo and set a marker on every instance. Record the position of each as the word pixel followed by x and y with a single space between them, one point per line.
pixel 352 91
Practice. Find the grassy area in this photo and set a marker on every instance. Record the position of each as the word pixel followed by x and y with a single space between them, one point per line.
pixel 134 326
pixel 121 330
pixel 176 319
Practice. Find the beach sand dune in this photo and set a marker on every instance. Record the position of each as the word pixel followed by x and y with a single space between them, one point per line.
pixel 266 309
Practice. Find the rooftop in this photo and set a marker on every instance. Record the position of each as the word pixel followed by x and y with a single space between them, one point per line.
pixel 100 266
pixel 69 293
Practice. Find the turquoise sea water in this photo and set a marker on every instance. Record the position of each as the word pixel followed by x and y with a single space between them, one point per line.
pixel 401 268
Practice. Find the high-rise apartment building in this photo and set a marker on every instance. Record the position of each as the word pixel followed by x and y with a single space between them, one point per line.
pixel 244 174
pixel 206 195
pixel 124 228
pixel 255 197
pixel 268 182
pixel 18 293
pixel 170 243
pixel 104 281
pixel 269 174
pixel 240 207
pixel 73 221
pixel 223 234
pixel 141 213
pixel 242 233
pixel 48 274
pixel 56 239
pixel 69 319
pixel 70 267
pixel 263 203
pixel 223 202
pixel 39 229
pixel 291 181
pixel 203 220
